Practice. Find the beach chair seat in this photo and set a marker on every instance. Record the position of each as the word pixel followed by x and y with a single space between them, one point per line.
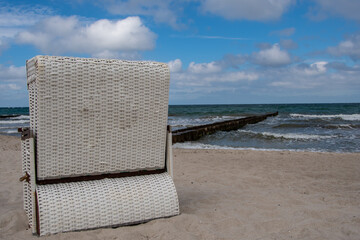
pixel 98 151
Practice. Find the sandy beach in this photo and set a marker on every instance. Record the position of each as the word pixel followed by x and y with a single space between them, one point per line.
pixel 226 194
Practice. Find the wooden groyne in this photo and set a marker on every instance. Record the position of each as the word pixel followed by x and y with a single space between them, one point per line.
pixel 195 133
pixel 8 116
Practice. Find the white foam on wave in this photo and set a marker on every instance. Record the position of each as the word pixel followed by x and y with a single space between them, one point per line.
pixel 188 122
pixel 347 117
pixel 14 121
pixel 195 145
pixel 296 136
pixel 341 126
pixel 9 131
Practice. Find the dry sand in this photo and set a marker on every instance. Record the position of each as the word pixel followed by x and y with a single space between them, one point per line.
pixel 226 194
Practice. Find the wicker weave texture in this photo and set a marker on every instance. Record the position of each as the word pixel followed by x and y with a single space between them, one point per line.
pixel 25 153
pixel 108 202
pixel 94 116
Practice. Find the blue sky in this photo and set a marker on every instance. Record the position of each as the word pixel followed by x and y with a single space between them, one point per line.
pixel 219 52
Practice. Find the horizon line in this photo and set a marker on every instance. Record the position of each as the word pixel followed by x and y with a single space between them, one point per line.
pixel 193 104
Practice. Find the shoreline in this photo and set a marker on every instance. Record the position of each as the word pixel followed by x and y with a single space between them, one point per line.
pixel 224 150
pixel 216 148
pixel 226 194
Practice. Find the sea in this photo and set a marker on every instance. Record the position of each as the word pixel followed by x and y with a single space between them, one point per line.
pixel 298 127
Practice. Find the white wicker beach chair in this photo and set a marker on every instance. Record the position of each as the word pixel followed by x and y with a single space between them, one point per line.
pixel 98 152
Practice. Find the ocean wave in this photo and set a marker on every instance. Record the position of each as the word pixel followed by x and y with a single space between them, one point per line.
pixel 9 131
pixel 296 136
pixel 190 122
pixel 341 126
pixel 292 125
pixel 21 117
pixel 14 121
pixel 196 145
pixel 346 117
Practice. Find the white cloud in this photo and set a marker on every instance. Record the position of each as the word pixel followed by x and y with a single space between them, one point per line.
pixel 325 83
pixel 204 68
pixel 273 57
pixel 340 66
pixel 9 32
pixel 258 10
pixel 10 86
pixel 12 73
pixel 316 68
pixel 187 86
pixel 126 55
pixel 60 35
pixel 218 37
pixel 302 76
pixel 309 82
pixel 161 10
pixel 3 45
pixel 12 78
pixel 15 19
pixel 232 77
pixel 22 15
pixel 316 79
pixel 233 61
pixel 350 47
pixel 347 8
pixel 175 66
pixel 208 75
pixel 288 44
pixel 284 32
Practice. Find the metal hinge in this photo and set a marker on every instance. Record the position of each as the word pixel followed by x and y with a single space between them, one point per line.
pixel 26 133
pixel 26 178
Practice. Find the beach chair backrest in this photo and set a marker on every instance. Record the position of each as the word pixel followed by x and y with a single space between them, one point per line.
pixel 96 116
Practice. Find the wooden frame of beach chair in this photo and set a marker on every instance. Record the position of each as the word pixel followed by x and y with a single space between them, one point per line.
pixel 98 151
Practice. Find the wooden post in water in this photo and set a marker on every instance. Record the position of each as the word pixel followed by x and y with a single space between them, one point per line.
pixel 195 133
